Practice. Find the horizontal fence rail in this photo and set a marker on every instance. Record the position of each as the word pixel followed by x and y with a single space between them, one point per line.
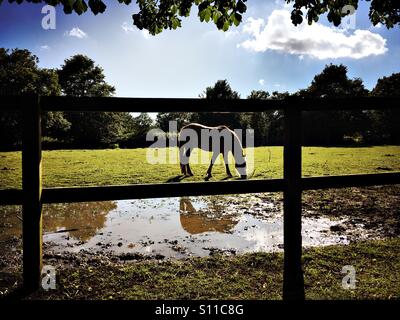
pixel 32 196
pixel 347 181
pixel 116 104
pixel 185 189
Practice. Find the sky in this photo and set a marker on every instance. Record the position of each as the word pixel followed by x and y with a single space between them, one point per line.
pixel 266 52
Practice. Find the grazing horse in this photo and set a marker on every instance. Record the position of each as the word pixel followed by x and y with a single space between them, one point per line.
pixel 218 140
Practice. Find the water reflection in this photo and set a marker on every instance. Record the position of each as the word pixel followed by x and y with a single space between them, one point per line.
pixel 174 227
pixel 87 218
pixel 10 222
pixel 200 221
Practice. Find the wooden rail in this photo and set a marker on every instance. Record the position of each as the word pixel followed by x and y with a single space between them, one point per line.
pixel 32 196
pixel 164 190
pixel 12 103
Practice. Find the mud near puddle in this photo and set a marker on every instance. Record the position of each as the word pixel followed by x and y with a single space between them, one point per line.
pixel 199 226
pixel 175 227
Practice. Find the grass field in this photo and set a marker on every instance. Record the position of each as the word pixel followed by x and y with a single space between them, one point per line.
pixel 249 276
pixel 128 166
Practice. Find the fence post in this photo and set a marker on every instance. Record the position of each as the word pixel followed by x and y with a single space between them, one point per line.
pixel 293 282
pixel 32 192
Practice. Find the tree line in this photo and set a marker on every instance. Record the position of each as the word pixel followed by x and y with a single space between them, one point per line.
pixel 80 76
pixel 325 127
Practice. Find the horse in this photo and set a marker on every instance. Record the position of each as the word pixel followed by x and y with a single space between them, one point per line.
pixel 218 140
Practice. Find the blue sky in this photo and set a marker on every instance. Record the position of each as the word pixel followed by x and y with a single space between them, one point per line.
pixel 266 54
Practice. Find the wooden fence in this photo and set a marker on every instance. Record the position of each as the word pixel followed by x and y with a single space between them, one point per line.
pixel 32 196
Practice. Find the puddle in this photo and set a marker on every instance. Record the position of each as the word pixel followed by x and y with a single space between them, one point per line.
pixel 173 227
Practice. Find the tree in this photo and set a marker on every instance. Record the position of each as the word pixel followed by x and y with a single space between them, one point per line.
pixel 142 123
pixel 388 86
pixel 80 77
pixel 258 95
pixel 260 121
pixel 387 122
pixel 267 125
pixel 277 121
pixel 182 118
pixel 155 16
pixel 333 82
pixel 220 90
pixel 19 75
pixel 331 127
pixel 386 12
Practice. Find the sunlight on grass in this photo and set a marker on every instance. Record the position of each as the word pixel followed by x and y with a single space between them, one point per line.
pixel 129 166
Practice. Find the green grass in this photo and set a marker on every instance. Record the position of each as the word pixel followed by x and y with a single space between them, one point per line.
pixel 128 166
pixel 249 276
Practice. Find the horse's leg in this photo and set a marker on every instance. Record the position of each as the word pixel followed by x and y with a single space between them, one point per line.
pixel 182 160
pixel 188 170
pixel 213 159
pixel 226 160
pixel 183 169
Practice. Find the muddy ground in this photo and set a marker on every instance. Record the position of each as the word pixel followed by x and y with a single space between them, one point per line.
pixel 362 213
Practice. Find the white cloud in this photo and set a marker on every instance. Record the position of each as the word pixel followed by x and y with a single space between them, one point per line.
pixel 128 28
pixel 76 32
pixel 261 82
pixel 45 47
pixel 317 41
pixel 145 34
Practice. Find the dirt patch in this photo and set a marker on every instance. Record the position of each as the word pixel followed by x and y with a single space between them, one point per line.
pixel 376 210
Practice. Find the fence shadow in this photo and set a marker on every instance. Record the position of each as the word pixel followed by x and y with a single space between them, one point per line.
pixel 177 178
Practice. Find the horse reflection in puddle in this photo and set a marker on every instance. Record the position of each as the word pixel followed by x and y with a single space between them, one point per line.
pixel 210 220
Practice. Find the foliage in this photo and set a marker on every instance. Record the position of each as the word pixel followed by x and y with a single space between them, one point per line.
pixel 267 125
pixel 80 77
pixel 331 127
pixel 20 75
pixel 387 122
pixel 220 91
pixel 386 12
pixel 182 118
pixel 388 86
pixel 138 128
pixel 155 16
pixel 158 15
